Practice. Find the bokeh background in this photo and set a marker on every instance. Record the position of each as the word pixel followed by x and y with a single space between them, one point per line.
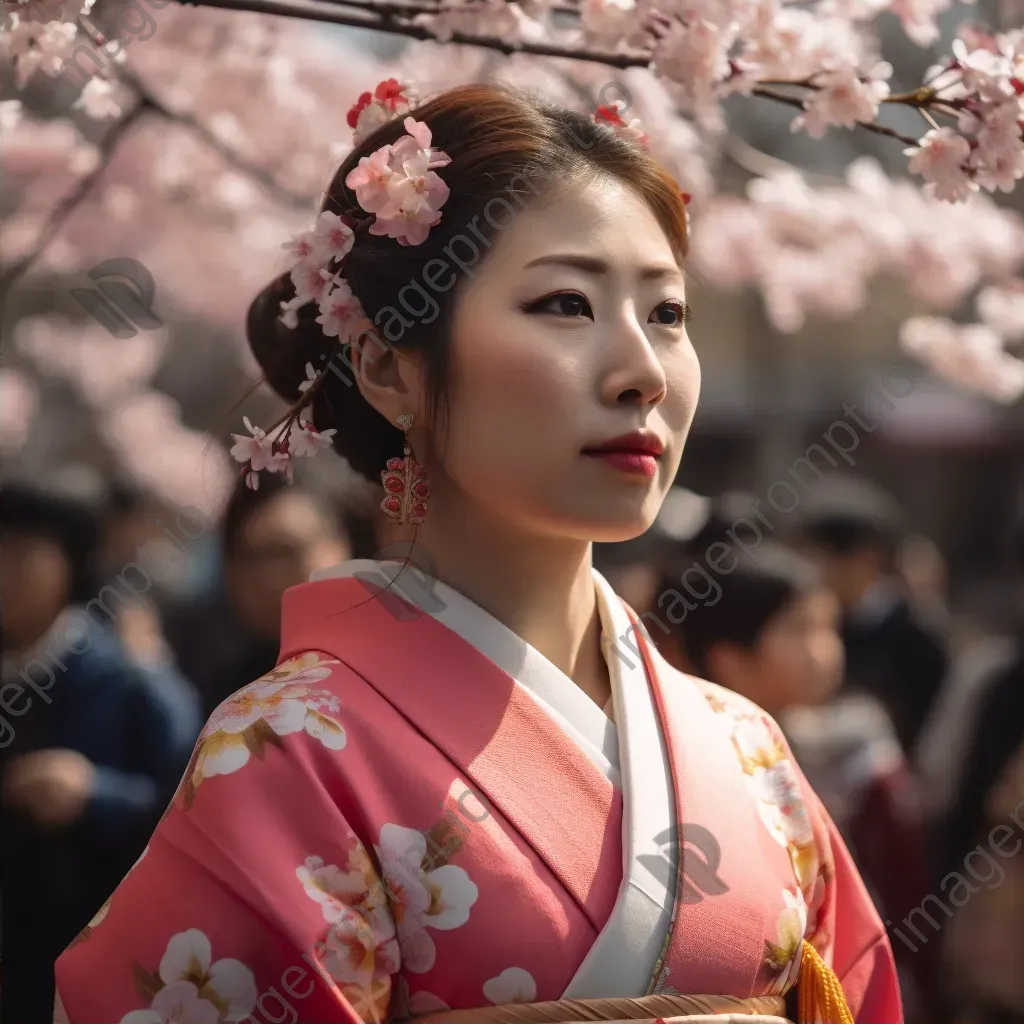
pixel 227 127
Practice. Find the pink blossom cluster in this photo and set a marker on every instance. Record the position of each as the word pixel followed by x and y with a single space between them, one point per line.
pixel 274 452
pixel 984 86
pixel 181 466
pixel 818 250
pixel 396 183
pixel 399 184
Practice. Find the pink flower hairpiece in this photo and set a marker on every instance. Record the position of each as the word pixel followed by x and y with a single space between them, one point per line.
pixel 399 187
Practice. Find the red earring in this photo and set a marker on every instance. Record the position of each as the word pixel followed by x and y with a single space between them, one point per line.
pixel 406 487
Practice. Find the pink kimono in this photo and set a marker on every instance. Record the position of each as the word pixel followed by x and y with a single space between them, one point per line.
pixel 416 811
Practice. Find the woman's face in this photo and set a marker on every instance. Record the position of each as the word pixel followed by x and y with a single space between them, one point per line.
pixel 571 335
pixel 798 658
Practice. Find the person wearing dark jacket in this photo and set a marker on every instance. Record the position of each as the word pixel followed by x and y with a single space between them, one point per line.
pixel 93 743
pixel 895 649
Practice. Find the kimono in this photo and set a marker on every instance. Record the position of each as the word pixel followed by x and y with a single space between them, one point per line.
pixel 417 811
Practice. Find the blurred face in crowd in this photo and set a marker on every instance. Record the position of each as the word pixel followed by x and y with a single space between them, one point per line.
pixel 35 577
pixel 797 659
pixel 848 576
pixel 279 546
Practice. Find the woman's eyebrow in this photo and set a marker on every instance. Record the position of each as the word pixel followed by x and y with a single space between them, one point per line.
pixel 597 267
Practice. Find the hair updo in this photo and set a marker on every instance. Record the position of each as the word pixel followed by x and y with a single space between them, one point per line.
pixel 507 149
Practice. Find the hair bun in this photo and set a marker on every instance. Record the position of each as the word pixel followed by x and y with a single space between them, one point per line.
pixel 283 351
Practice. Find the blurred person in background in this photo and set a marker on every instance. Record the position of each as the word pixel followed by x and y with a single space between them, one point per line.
pixel 272 538
pixel 95 742
pixel 896 649
pixel 982 836
pixel 773 636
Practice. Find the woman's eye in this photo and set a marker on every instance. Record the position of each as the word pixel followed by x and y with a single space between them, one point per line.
pixel 569 304
pixel 671 313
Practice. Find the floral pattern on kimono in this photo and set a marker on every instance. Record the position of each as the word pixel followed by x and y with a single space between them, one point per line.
pixel 189 987
pixel 774 783
pixel 360 950
pixel 281 702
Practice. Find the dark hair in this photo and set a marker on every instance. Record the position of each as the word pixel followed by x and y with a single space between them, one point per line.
pixel 503 144
pixel 851 515
pixel 66 509
pixel 756 590
pixel 244 503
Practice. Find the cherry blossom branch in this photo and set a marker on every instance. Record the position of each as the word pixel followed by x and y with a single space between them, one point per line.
pixel 148 103
pixel 327 11
pixel 67 205
pixel 795 101
pixel 187 120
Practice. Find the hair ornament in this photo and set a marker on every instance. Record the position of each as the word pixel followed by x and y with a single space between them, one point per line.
pixel 390 99
pixel 398 186
pixel 611 114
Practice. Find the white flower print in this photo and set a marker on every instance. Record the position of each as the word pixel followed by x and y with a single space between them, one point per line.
pixel 785 955
pixel 439 898
pixel 361 944
pixel 178 1003
pixel 190 988
pixel 280 703
pixel 513 985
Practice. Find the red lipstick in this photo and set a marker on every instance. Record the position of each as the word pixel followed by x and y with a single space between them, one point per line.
pixel 635 453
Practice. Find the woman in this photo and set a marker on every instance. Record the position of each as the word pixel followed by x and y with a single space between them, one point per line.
pixel 474 788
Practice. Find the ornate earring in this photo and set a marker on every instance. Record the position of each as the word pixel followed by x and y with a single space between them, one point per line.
pixel 406 487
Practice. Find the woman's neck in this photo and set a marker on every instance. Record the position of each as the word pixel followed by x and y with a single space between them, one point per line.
pixel 542 590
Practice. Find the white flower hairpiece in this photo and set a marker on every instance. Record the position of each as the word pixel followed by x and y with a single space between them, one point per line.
pixel 398 185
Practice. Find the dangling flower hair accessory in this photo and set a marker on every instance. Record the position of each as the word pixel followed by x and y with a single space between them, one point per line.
pixel 399 187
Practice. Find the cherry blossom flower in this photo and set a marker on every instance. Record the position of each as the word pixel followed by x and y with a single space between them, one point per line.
pixel 843 98
pixel 340 311
pixel 941 159
pixel 369 180
pixel 335 236
pixel 970 355
pixel 305 439
pixel 255 450
pixel 311 376
pixel 311 281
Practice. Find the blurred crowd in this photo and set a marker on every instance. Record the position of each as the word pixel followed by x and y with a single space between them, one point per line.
pixel 125 625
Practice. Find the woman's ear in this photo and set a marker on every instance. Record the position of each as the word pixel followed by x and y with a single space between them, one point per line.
pixel 392 382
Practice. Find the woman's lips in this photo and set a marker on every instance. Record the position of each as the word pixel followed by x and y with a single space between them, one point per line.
pixel 633 462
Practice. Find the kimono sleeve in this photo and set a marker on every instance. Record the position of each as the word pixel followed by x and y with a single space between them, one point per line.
pixel 846 928
pixel 255 901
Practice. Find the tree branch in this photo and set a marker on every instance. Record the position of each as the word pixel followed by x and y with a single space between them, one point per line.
pixel 328 12
pixel 793 101
pixel 60 213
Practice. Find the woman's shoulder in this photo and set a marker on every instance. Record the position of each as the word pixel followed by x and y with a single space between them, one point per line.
pixel 722 700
